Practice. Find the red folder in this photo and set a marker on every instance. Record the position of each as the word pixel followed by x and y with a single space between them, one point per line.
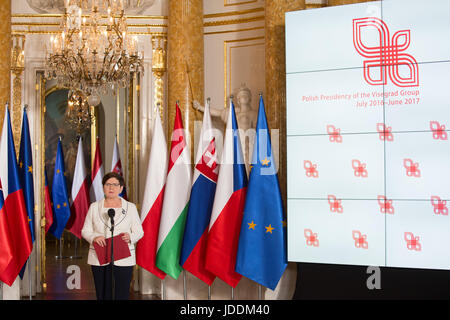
pixel 121 250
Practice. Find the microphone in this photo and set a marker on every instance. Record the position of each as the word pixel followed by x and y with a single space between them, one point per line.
pixel 111 214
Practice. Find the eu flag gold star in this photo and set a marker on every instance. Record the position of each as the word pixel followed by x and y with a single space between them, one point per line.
pixel 30 169
pixel 269 228
pixel 251 225
pixel 58 171
pixel 265 162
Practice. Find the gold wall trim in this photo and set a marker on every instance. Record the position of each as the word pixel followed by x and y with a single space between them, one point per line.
pixel 103 17
pixel 226 3
pixel 141 33
pixel 232 21
pixel 238 30
pixel 232 13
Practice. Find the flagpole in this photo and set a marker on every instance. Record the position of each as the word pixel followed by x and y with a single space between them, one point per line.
pixel 232 293
pixel 209 292
pixel 75 249
pixel 184 285
pixel 29 277
pixel 163 289
pixel 259 292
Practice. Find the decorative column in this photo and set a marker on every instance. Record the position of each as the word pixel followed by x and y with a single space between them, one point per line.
pixel 17 67
pixel 275 99
pixel 5 55
pixel 275 103
pixel 159 68
pixel 185 61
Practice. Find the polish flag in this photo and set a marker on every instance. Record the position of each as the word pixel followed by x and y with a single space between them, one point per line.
pixel 153 201
pixel 228 207
pixel 116 166
pixel 200 204
pixel 80 194
pixel 96 191
pixel 14 205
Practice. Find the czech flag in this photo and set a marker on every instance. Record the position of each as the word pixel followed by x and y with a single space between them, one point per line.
pixel 226 216
pixel 6 248
pixel 14 204
pixel 200 205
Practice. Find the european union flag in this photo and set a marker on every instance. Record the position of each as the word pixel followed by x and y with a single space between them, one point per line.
pixel 61 207
pixel 26 171
pixel 261 253
pixel 26 175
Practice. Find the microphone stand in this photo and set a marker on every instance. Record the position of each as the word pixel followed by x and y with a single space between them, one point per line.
pixel 112 259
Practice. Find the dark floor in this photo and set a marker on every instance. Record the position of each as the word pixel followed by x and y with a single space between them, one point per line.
pixel 59 273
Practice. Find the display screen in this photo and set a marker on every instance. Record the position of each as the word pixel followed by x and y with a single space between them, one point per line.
pixel 368 149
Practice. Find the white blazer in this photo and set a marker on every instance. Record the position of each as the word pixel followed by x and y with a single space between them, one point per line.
pixel 98 223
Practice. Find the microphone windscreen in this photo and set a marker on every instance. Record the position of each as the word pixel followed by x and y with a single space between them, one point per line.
pixel 111 213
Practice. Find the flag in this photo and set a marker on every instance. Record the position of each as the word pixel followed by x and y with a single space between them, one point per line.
pixel 80 194
pixel 26 176
pixel 96 191
pixel 228 206
pixel 47 205
pixel 116 166
pixel 262 242
pixel 153 201
pixel 60 196
pixel 6 247
pixel 14 204
pixel 200 204
pixel 26 171
pixel 176 201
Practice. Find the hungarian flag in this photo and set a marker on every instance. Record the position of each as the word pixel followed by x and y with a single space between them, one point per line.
pixel 14 205
pixel 96 191
pixel 6 248
pixel 80 194
pixel 116 166
pixel 47 205
pixel 200 204
pixel 60 196
pixel 226 216
pixel 176 201
pixel 153 201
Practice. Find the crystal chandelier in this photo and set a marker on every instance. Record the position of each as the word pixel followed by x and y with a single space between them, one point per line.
pixel 78 116
pixel 93 52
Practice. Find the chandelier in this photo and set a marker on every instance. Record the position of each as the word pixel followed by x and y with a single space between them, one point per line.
pixel 93 52
pixel 78 116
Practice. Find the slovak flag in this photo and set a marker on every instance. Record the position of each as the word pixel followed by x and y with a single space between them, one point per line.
pixel 96 192
pixel 116 166
pixel 228 207
pixel 14 204
pixel 200 205
pixel 80 194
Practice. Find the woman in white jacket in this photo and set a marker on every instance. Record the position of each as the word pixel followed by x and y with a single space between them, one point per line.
pixel 97 228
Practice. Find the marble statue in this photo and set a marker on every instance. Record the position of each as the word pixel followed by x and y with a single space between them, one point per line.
pixel 246 118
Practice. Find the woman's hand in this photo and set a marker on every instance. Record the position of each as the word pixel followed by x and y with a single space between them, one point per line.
pixel 100 240
pixel 126 237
